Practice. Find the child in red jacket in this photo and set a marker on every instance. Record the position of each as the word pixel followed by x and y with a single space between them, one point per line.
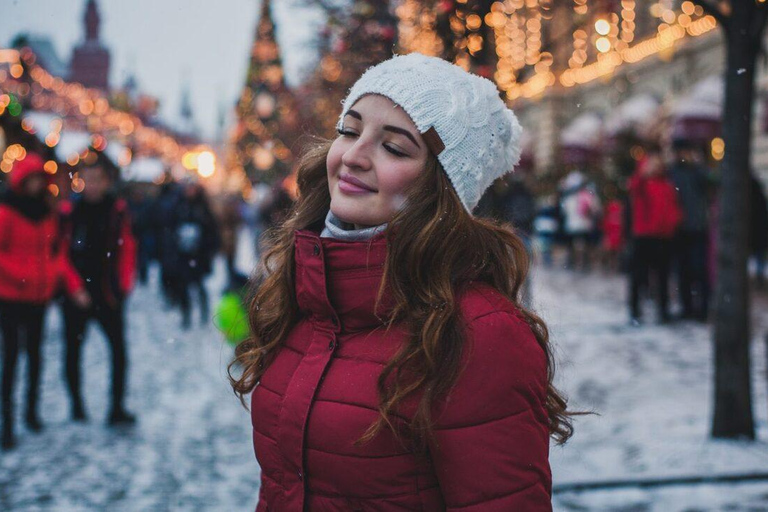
pixel 656 215
pixel 33 264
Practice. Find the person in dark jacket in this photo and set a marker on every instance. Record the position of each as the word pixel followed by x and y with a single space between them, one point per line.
pixel 691 180
pixel 97 227
pixel 195 243
pixel 392 365
pixel 758 239
pixel 33 264
pixel 163 210
pixel 656 216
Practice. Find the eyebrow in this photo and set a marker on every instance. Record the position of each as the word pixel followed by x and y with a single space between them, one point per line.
pixel 389 128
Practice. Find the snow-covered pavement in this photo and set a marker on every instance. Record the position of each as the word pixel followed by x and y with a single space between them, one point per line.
pixel 191 450
pixel 651 387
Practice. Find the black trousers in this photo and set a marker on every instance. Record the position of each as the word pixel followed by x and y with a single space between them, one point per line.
pixel 650 255
pixel 183 288
pixel 19 321
pixel 111 320
pixel 691 258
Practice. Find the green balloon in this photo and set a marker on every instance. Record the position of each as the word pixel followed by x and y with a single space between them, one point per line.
pixel 231 318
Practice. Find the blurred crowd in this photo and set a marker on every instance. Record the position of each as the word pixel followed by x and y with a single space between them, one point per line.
pixel 657 223
pixel 83 254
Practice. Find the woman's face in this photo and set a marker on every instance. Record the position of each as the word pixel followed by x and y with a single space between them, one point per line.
pixel 374 161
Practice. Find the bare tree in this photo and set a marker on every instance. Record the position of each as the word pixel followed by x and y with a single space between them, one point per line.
pixel 743 23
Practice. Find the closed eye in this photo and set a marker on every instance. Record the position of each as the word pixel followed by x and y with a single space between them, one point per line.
pixel 394 151
pixel 346 133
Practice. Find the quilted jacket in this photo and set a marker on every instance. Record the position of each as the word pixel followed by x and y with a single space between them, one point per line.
pixel 490 446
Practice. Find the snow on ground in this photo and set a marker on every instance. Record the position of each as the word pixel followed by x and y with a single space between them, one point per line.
pixel 191 450
pixel 652 388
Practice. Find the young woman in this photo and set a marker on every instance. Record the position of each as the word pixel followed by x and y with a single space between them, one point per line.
pixel 33 263
pixel 391 365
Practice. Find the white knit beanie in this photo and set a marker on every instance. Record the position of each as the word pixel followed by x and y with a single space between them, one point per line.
pixel 460 116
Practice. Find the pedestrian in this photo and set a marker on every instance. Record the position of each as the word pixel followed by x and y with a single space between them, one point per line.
pixel 141 208
pixel 229 219
pixel 392 366
pixel 102 248
pixel 518 207
pixel 547 227
pixel 195 243
pixel 691 180
pixel 163 210
pixel 613 229
pixel 581 211
pixel 758 239
pixel 33 264
pixel 656 215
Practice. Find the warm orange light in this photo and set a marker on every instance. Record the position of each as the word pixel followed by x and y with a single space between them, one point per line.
pixel 17 70
pixel 51 167
pixel 602 27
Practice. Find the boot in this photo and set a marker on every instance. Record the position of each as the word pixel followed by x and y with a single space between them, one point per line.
pixel 8 440
pixel 78 412
pixel 121 417
pixel 32 420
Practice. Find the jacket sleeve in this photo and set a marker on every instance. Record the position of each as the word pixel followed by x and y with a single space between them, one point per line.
pixel 126 254
pixel 11 271
pixel 491 441
pixel 67 272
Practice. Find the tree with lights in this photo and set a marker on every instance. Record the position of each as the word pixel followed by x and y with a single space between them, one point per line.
pixel 266 111
pixel 355 38
pixel 743 24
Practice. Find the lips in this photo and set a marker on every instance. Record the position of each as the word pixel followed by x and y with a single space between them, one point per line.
pixel 358 183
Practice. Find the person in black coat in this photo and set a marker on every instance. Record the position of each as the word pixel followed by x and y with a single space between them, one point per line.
pixel 195 242
pixel 758 240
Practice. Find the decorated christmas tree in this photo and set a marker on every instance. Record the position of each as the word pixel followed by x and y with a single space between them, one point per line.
pixel 353 40
pixel 266 115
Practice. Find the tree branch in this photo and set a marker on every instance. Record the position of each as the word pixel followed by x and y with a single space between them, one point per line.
pixel 715 12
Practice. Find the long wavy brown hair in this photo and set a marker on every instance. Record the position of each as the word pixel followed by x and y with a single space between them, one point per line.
pixel 434 246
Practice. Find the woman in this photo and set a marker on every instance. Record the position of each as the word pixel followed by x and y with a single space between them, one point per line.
pixel 32 265
pixel 392 366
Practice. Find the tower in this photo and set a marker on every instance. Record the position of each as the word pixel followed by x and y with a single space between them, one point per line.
pixel 90 59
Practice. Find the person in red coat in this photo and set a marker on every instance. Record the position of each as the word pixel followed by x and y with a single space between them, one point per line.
pixel 33 264
pixel 100 242
pixel 656 215
pixel 392 364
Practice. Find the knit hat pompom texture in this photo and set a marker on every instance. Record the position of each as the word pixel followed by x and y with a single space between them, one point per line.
pixel 481 135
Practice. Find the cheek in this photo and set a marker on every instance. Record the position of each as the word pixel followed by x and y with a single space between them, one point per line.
pixel 333 160
pixel 398 179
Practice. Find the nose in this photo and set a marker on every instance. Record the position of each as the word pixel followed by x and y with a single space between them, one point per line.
pixel 357 156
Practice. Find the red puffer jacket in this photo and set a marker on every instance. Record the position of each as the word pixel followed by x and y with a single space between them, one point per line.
pixel 656 210
pixel 491 443
pixel 33 260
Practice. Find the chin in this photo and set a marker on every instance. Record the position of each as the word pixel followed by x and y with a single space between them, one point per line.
pixel 354 213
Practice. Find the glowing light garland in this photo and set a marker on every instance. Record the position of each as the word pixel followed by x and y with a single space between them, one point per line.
pixel 79 106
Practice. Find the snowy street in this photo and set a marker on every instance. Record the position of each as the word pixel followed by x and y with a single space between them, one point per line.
pixel 191 450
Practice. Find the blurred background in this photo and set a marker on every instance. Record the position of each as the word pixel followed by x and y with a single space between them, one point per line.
pixel 659 313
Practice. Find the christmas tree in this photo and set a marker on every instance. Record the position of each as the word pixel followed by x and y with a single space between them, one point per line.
pixel 353 40
pixel 266 114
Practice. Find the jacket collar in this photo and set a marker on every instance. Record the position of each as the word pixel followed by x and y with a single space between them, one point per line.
pixel 337 281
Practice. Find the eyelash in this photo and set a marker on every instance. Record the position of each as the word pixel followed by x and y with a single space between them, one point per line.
pixel 345 133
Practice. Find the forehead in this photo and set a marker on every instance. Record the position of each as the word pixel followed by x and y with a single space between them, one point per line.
pixel 380 109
